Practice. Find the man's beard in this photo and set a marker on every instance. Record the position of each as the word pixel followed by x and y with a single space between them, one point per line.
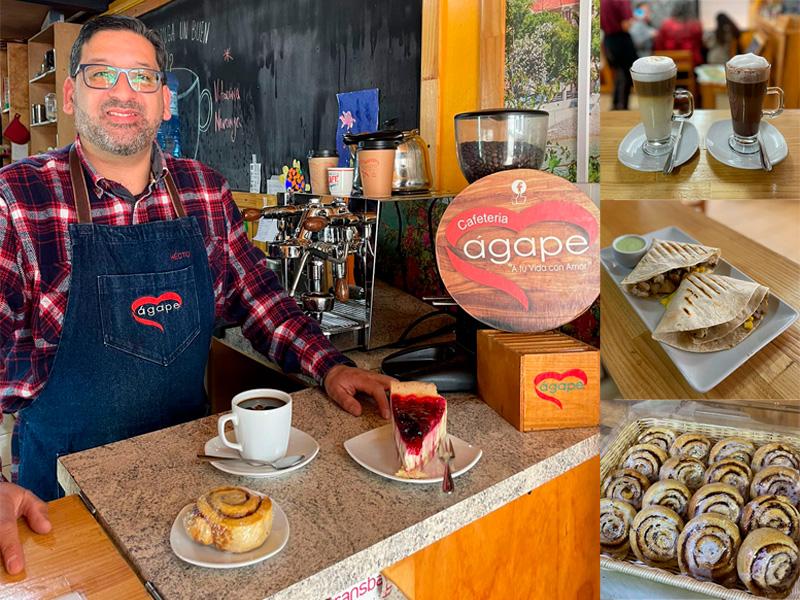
pixel 92 130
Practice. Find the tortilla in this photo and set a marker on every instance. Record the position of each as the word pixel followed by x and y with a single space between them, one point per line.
pixel 717 303
pixel 665 255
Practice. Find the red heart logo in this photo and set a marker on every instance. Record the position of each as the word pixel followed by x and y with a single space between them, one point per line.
pixel 151 300
pixel 558 377
pixel 515 221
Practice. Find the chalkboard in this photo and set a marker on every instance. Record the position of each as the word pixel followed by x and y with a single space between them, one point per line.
pixel 261 76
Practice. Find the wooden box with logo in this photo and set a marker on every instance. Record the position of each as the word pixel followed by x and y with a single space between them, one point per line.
pixel 539 380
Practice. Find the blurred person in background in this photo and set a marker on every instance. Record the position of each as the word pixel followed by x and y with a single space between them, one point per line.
pixel 682 31
pixel 641 30
pixel 723 43
pixel 616 18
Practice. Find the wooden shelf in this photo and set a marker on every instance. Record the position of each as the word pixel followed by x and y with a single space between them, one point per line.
pixel 58 37
pixel 47 77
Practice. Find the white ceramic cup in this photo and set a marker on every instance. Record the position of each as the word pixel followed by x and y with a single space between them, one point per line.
pixel 261 434
pixel 340 180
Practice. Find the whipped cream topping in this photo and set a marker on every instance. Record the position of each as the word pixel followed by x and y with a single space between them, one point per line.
pixel 653 68
pixel 747 68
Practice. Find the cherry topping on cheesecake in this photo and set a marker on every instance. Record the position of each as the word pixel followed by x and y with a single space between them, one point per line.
pixel 419 417
pixel 416 416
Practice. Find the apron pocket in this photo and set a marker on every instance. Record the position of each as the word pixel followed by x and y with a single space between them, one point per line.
pixel 153 316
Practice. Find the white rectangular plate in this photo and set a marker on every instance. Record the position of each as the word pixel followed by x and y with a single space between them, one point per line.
pixel 703 370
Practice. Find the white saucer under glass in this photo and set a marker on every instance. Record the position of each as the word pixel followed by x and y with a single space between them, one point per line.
pixel 631 149
pixel 718 145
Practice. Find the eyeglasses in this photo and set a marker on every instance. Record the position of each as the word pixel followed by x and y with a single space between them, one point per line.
pixel 105 77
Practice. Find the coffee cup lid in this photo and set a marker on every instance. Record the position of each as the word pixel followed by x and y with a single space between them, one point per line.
pixel 322 153
pixel 378 144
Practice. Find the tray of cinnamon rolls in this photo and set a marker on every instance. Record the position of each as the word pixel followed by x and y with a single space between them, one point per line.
pixel 708 508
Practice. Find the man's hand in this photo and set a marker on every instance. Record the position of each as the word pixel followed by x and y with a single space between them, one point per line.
pixel 16 502
pixel 343 382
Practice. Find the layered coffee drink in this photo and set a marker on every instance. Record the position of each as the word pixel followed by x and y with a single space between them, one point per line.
pixel 654 81
pixel 747 76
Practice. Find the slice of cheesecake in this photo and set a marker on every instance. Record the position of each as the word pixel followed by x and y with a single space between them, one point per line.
pixel 419 418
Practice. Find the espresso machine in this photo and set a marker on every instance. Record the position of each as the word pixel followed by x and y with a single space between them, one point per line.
pixel 324 253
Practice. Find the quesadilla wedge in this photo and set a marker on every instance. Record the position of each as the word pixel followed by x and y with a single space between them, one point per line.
pixel 712 312
pixel 666 264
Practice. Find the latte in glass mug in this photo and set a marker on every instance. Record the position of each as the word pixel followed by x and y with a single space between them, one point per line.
pixel 654 80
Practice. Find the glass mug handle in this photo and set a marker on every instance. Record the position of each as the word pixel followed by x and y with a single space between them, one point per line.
pixel 677 114
pixel 776 111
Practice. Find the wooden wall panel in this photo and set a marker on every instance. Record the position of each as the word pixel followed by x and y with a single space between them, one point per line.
pixel 543 545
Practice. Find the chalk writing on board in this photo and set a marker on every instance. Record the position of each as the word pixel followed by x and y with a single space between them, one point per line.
pixel 194 30
pixel 227 99
pixel 203 97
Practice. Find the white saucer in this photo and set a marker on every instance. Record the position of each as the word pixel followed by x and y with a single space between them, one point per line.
pixel 299 443
pixel 631 154
pixel 190 551
pixel 717 144
pixel 375 450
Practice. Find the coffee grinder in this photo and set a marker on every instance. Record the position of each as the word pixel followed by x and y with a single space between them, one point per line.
pixel 487 142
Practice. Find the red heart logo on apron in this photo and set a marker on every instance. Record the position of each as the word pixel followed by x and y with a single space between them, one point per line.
pixel 145 301
pixel 515 221
pixel 558 377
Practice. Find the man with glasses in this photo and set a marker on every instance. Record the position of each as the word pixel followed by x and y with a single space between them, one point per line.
pixel 116 261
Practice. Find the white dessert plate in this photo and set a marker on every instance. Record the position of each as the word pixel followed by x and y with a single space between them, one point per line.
pixel 718 147
pixel 376 451
pixel 703 370
pixel 299 443
pixel 190 551
pixel 631 154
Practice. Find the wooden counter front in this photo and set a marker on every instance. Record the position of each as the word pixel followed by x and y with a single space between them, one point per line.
pixel 542 545
pixel 76 556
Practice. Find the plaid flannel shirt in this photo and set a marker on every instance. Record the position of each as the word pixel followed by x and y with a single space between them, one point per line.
pixel 36 206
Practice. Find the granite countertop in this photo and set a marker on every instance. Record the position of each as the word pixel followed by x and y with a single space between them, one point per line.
pixel 346 523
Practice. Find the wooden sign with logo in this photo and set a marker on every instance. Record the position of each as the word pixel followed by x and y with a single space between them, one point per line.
pixel 539 380
pixel 519 250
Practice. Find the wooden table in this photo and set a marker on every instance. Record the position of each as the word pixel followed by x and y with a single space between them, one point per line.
pixel 702 177
pixel 640 367
pixel 76 556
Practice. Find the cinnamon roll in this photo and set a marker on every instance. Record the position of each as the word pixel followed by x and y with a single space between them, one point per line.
pixel 732 447
pixel 670 493
pixel 616 517
pixel 707 548
pixel 654 536
pixel 695 445
pixel 776 454
pixel 689 471
pixel 718 498
pixel 627 485
pixel 645 458
pixel 231 518
pixel 771 511
pixel 768 563
pixel 733 472
pixel 659 436
pixel 781 481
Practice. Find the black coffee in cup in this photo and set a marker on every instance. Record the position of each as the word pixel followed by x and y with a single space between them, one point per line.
pixel 262 403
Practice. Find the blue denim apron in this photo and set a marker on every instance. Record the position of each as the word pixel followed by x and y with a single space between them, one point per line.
pixel 134 343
